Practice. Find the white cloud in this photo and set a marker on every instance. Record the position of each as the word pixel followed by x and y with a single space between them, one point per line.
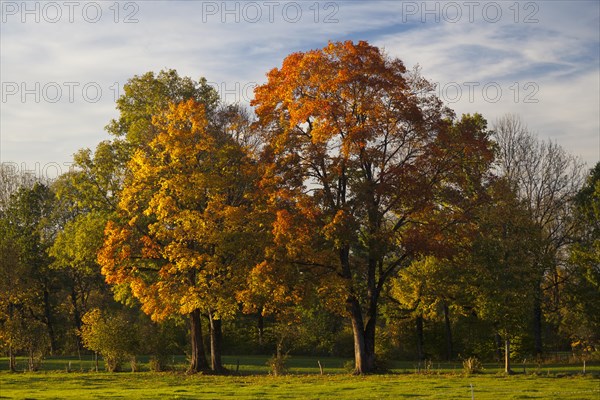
pixel 559 54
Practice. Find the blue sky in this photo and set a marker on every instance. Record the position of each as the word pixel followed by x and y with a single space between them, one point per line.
pixel 62 63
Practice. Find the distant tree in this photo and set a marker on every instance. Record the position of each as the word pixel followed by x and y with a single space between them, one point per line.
pixel 11 180
pixel 16 294
pixel 547 179
pixel 502 279
pixel 28 231
pixel 580 309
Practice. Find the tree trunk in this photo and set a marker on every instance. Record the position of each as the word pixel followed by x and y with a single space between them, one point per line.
pixel 498 340
pixel 12 367
pixel 11 356
pixel 364 343
pixel 364 336
pixel 48 320
pixel 261 327
pixel 30 361
pixel 198 362
pixel 216 344
pixel 537 325
pixel 76 318
pixel 449 347
pixel 507 355
pixel 370 343
pixel 420 338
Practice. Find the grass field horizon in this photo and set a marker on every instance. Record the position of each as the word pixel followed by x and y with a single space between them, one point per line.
pixel 406 379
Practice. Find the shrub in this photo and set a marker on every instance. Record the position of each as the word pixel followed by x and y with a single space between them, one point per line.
pixel 135 366
pixel 425 367
pixel 157 364
pixel 277 363
pixel 472 365
pixel 111 335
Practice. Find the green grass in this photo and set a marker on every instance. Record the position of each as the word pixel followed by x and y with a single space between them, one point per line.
pixel 303 382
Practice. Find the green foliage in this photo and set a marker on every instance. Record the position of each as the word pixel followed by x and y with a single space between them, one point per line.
pixel 27 284
pixel 111 335
pixel 161 341
pixel 581 308
pixel 95 182
pixel 317 331
pixel 502 277
pixel 76 245
pixel 149 95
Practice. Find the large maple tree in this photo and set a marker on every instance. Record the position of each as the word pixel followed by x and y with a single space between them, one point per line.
pixel 366 170
pixel 185 232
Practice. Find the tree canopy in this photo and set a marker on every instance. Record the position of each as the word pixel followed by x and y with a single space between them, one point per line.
pixel 349 212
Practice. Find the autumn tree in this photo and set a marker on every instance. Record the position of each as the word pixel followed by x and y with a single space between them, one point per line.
pixel 365 169
pixel 89 194
pixel 184 235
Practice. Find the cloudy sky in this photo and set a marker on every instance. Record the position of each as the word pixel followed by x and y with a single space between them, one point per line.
pixel 64 63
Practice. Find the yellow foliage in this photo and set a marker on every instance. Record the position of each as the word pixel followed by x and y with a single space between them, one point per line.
pixel 185 217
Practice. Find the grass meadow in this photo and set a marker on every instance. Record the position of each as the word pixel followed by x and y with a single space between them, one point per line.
pixel 70 378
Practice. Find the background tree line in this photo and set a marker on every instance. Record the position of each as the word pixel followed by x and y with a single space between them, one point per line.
pixel 349 213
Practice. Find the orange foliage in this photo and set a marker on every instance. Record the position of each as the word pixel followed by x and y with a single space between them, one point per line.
pixel 364 166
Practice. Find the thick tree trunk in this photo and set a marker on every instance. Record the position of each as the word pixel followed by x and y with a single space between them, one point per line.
pixel 364 336
pixel 370 344
pixel 537 325
pixel 364 340
pixel 216 345
pixel 449 346
pixel 198 360
pixel 420 338
pixel 507 356
pixel 358 333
